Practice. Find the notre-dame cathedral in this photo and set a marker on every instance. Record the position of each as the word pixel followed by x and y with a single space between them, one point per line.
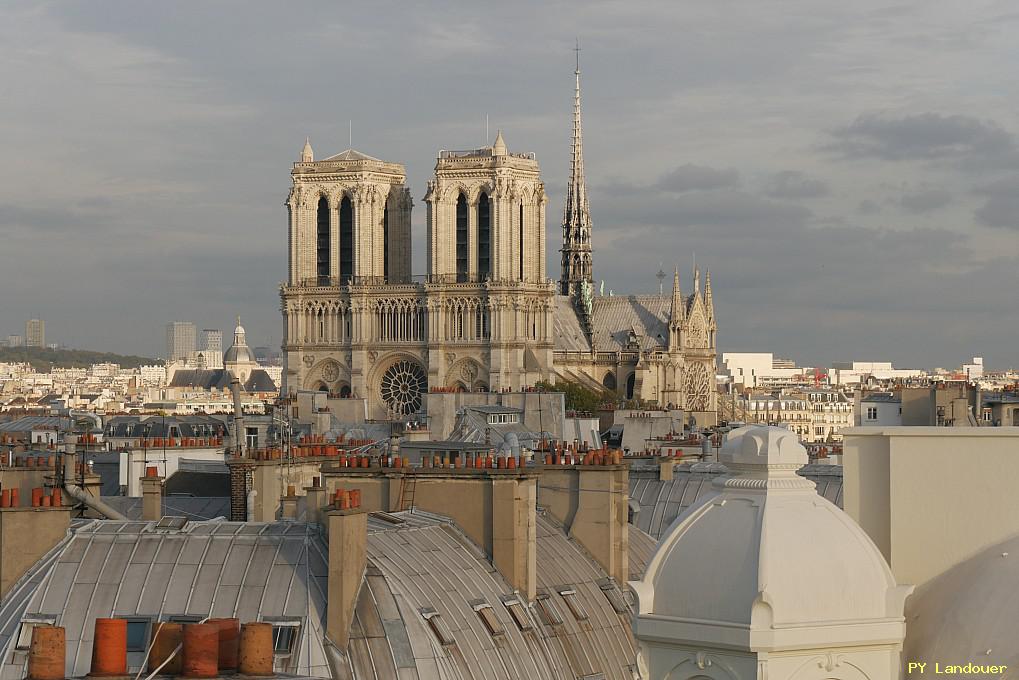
pixel 357 323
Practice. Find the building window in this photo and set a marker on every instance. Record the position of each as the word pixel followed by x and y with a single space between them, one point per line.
pixel 518 613
pixel 484 236
pixel 438 626
pixel 137 634
pixel 285 633
pixel 520 226
pixel 547 610
pixel 322 243
pixel 385 241
pixel 28 623
pixel 488 617
pixel 871 413
pixel 346 240
pixel 251 437
pixel 462 258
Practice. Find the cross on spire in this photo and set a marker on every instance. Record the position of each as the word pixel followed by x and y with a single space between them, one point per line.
pixel 577 264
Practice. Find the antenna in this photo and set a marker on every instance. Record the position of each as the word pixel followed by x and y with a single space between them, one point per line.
pixel 486 129
pixel 350 134
pixel 661 280
pixel 577 50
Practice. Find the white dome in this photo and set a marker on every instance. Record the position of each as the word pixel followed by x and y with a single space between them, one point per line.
pixel 766 554
pixel 971 612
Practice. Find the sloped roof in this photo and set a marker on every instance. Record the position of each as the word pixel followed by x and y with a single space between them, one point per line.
pixel 352 155
pixel 259 570
pixel 208 378
pixel 660 502
pixel 614 316
pixel 567 330
pixel 190 507
pixel 432 564
pixel 224 569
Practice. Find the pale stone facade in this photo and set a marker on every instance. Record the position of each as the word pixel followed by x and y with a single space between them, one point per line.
pixel 480 319
pixel 485 316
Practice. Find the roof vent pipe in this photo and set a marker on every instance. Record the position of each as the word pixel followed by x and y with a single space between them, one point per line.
pixel 76 492
pixel 201 650
pixel 256 649
pixel 46 654
pixel 109 648
pixel 235 390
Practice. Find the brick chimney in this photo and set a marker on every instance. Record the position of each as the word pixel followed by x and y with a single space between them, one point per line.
pixel 152 495
pixel 347 531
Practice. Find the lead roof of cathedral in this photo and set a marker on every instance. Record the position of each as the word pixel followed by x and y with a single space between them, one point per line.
pixel 613 318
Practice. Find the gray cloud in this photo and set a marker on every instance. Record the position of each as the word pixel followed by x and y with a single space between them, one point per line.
pixel 793 184
pixel 691 177
pixel 1001 204
pixel 157 193
pixel 925 200
pixel 922 137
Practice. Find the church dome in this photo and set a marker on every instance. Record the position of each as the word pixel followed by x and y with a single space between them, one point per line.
pixel 239 353
pixel 765 554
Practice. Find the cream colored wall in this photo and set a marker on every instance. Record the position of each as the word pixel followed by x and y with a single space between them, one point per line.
pixel 45 526
pixel 950 493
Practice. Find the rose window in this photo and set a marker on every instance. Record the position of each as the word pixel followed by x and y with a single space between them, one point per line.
pixel 402 386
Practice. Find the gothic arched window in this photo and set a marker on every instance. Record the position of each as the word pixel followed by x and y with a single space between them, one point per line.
pixel 521 244
pixel 630 384
pixel 346 240
pixel 385 241
pixel 462 257
pixel 609 381
pixel 322 242
pixel 484 236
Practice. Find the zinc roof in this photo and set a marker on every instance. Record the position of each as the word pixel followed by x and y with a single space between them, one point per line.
pixel 224 569
pixel 660 502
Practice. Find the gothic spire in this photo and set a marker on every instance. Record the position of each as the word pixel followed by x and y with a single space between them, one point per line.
pixel 307 155
pixel 678 308
pixel 708 304
pixel 577 263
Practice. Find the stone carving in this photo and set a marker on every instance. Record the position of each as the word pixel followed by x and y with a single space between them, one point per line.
pixel 697 387
pixel 372 356
pixel 331 371
pixel 308 360
pixel 469 371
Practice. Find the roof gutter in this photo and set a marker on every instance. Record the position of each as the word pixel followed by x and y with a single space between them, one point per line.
pixel 79 494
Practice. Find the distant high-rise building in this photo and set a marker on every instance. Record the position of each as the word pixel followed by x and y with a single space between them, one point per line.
pixel 180 340
pixel 35 333
pixel 211 348
pixel 212 340
pixel 15 341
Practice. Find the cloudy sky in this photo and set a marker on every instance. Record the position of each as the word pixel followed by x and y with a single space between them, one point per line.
pixel 849 172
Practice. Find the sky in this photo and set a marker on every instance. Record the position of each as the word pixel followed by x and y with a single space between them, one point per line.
pixel 848 172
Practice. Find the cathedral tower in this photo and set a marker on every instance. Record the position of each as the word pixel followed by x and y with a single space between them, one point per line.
pixel 349 220
pixel 576 250
pixel 486 217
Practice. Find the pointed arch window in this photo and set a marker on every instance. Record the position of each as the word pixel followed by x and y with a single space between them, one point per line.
pixel 385 241
pixel 322 243
pixel 520 226
pixel 346 240
pixel 484 236
pixel 462 257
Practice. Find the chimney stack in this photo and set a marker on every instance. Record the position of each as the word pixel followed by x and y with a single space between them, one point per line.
pixel 46 653
pixel 348 559
pixel 152 495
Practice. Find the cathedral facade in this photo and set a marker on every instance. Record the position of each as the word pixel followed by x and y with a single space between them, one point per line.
pixel 485 316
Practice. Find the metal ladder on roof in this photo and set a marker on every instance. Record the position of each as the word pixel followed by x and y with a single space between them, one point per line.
pixel 407 492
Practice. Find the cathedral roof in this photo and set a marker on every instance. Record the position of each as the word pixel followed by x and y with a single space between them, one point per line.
pixel 613 317
pixel 207 378
pixel 353 155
